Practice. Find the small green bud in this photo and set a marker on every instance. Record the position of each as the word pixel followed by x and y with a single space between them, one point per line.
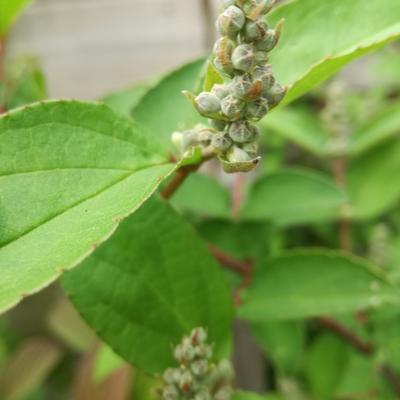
pixel 207 103
pixel 257 109
pixel 241 85
pixel 224 367
pixel 254 30
pixel 256 8
pixel 268 42
pixel 228 3
pixel 251 149
pixel 224 393
pixel 218 125
pixel 170 393
pixel 232 107
pixel 221 142
pixel 199 367
pixel 223 50
pixel 275 94
pixel 242 132
pixel 198 336
pixel 261 58
pixel 221 90
pixel 203 395
pixel 243 57
pixel 204 351
pixel 186 382
pixel 265 75
pixel 231 21
pixel 237 155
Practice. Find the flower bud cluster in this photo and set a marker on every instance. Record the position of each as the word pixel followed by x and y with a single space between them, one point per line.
pixel 249 89
pixel 197 377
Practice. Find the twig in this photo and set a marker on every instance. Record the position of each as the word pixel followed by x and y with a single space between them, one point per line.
pixel 392 377
pixel 237 194
pixel 349 336
pixel 339 167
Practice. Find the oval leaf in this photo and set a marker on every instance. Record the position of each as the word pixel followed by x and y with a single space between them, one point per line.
pixel 373 180
pixel 291 197
pixel 69 172
pixel 310 283
pixel 320 37
pixel 164 109
pixel 149 285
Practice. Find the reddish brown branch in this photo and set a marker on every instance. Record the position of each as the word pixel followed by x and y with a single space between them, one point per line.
pixel 349 336
pixel 392 377
pixel 237 194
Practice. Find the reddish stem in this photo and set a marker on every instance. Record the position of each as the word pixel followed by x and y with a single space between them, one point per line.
pixel 237 194
pixel 2 62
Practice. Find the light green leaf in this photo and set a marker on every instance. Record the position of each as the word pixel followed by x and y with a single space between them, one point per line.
pixel 164 109
pixel 290 197
pixel 124 101
pixel 299 125
pixel 284 343
pixel 106 363
pixel 376 130
pixel 327 361
pixel 69 172
pixel 373 180
pixel 254 396
pixel 212 77
pixel 309 283
pixel 320 37
pixel 25 82
pixel 154 281
pixel 202 195
pixel 9 11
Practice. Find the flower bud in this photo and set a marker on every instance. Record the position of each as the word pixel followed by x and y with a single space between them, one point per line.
pixel 261 58
pixel 257 109
pixel 186 381
pixel 199 367
pixel 224 393
pixel 231 21
pixel 237 155
pixel 254 30
pixel 208 103
pixel 251 149
pixel 170 393
pixel 224 367
pixel 221 90
pixel 204 351
pixel 268 42
pixel 198 336
pixel 265 74
pixel 221 142
pixel 242 132
pixel 223 50
pixel 243 57
pixel 256 8
pixel 241 85
pixel 232 107
pixel 228 3
pixel 275 94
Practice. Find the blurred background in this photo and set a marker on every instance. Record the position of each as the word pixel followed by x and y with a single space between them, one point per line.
pixel 98 46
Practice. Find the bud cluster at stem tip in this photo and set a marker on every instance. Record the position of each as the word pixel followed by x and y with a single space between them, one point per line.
pixel 249 89
pixel 196 377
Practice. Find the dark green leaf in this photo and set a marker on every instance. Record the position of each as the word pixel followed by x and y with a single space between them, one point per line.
pixel 150 284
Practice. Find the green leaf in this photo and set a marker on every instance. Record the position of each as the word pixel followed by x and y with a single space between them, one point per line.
pixel 106 363
pixel 299 125
pixel 212 77
pixel 69 172
pixel 9 11
pixel 320 37
pixel 202 195
pixel 373 180
pixel 381 127
pixel 164 109
pixel 309 283
pixel 254 396
pixel 291 196
pixel 283 342
pixel 327 361
pixel 25 83
pixel 154 281
pixel 124 101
